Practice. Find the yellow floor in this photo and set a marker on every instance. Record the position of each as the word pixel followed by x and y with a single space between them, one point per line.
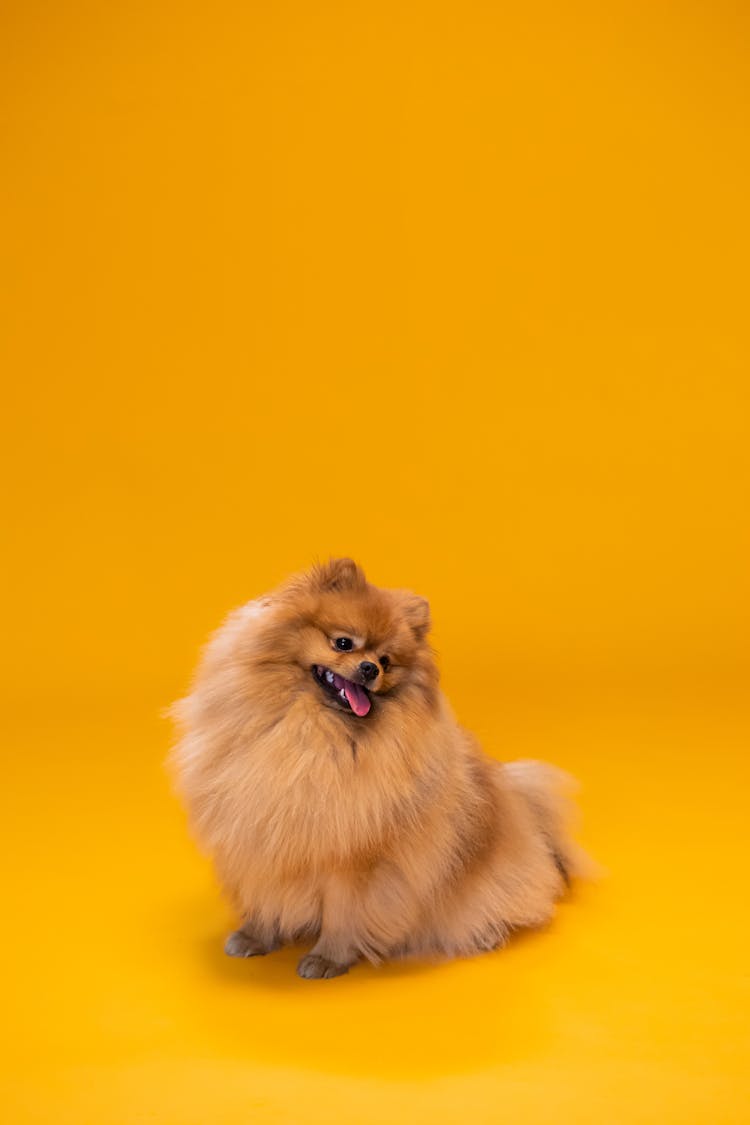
pixel 121 1008
pixel 460 289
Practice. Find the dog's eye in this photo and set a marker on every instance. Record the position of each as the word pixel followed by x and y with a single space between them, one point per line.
pixel 384 662
pixel 345 644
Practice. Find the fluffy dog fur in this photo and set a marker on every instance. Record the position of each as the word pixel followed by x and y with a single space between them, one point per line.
pixel 375 835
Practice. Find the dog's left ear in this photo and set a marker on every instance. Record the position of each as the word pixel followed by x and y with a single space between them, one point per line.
pixel 417 613
pixel 337 574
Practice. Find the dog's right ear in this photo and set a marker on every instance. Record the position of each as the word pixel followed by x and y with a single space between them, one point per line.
pixel 337 574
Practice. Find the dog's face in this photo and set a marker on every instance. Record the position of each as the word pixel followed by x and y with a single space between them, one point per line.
pixel 356 645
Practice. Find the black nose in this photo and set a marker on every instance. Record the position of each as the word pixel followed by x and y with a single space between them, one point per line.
pixel 368 670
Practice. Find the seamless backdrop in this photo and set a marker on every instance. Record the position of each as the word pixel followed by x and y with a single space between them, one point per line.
pixel 460 290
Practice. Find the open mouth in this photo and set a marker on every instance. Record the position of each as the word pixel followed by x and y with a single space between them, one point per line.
pixel 349 696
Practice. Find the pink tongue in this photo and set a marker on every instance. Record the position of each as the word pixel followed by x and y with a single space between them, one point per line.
pixel 357 697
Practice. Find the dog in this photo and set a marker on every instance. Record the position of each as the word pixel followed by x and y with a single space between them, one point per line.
pixel 339 798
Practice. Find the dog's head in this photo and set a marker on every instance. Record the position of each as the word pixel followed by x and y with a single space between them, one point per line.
pixel 357 646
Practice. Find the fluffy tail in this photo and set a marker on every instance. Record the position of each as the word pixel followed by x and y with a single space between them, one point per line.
pixel 549 791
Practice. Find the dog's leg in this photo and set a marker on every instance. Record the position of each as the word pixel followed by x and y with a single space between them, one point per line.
pixel 363 917
pixel 336 948
pixel 251 941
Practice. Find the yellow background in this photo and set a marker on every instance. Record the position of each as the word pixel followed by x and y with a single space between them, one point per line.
pixel 459 289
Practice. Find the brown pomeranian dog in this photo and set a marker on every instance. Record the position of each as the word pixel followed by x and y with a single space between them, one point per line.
pixel 340 799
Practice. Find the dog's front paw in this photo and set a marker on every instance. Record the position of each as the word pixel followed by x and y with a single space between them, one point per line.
pixel 315 967
pixel 240 944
